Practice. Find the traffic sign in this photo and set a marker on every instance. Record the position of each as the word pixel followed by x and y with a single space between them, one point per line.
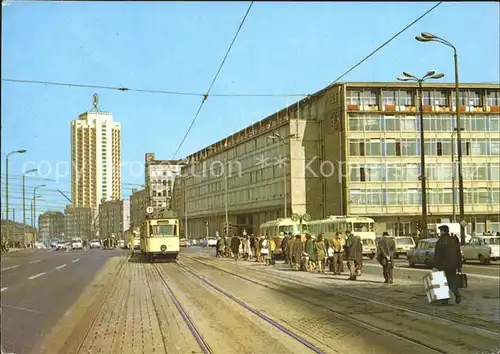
pixel 306 217
pixel 295 217
pixel 206 222
pixel 463 223
pixel 149 210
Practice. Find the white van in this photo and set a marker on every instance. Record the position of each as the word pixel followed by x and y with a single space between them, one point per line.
pixel 369 247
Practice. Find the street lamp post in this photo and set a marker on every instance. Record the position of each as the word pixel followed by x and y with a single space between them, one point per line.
pixel 225 195
pixel 429 37
pixel 431 75
pixel 34 208
pixel 453 173
pixel 24 197
pixel 280 138
pixel 22 151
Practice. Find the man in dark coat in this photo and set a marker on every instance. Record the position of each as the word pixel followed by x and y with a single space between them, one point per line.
pixel 354 253
pixel 235 246
pixel 385 256
pixel 448 258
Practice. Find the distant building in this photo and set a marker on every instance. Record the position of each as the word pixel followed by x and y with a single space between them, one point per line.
pixel 79 222
pixel 51 224
pixel 95 158
pixel 114 218
pixel 159 180
pixel 139 201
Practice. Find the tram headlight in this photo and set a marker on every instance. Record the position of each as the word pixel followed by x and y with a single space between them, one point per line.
pixel 163 248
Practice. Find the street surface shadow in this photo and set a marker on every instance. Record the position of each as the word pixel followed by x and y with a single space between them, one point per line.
pixel 138 258
pixel 358 280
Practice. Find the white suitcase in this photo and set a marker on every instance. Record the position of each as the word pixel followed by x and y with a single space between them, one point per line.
pixel 436 287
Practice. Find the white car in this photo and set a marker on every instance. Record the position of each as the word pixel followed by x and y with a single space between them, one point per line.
pixel 77 244
pixel 211 241
pixel 61 245
pixel 95 244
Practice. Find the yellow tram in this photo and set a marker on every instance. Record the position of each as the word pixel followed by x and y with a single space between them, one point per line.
pixel 160 235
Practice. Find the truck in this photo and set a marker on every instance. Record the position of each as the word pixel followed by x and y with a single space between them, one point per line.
pixel 454 229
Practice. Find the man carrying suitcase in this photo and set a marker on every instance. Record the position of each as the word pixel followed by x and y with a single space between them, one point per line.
pixel 448 258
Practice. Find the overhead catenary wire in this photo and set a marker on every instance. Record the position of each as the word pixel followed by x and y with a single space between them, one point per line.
pixel 165 92
pixel 385 43
pixel 205 97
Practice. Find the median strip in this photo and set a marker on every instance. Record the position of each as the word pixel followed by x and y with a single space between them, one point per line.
pixel 36 276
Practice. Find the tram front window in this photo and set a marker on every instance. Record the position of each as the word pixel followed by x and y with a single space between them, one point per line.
pixel 362 227
pixel 163 230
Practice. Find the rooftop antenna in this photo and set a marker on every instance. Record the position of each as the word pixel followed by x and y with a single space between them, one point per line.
pixel 95 102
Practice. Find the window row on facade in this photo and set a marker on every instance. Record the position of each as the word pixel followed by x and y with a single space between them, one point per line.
pixel 272 191
pixel 434 172
pixel 432 122
pixel 413 196
pixel 432 146
pixel 431 97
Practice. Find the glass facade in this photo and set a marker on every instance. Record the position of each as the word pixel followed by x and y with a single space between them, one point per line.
pixel 383 146
pixel 412 196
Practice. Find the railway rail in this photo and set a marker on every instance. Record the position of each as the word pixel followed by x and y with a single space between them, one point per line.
pixel 351 296
pixel 197 333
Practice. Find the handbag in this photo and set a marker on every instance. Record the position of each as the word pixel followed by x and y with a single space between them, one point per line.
pixel 462 280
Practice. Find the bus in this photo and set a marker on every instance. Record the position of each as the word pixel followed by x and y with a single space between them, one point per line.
pixel 276 229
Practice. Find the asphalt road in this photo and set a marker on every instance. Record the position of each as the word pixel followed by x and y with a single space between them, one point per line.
pixel 37 288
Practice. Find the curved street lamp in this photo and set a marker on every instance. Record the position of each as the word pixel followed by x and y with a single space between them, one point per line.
pixel 34 206
pixel 431 75
pixel 24 196
pixel 429 37
pixel 22 151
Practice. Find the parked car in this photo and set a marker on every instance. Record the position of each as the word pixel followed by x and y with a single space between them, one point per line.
pixel 423 253
pixel 95 243
pixel 479 250
pixel 61 245
pixel 77 243
pixel 403 245
pixel 183 242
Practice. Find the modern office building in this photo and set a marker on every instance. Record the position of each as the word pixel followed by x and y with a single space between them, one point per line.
pixel 114 218
pixel 352 149
pixel 51 224
pixel 159 179
pixel 95 158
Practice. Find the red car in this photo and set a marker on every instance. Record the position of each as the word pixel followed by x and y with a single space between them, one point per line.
pixel 183 242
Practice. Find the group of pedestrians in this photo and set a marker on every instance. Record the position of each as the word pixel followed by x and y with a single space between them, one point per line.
pixel 258 248
pixel 316 254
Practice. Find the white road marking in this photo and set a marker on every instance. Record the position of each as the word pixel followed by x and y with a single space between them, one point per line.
pixel 36 276
pixel 429 270
pixel 3 289
pixel 75 260
pixel 61 266
pixel 33 262
pixel 11 267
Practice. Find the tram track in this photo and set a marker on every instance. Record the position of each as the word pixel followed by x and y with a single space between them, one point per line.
pixel 274 285
pixel 450 318
pixel 204 346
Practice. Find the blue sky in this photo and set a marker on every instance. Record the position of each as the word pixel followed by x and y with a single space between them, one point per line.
pixel 282 48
